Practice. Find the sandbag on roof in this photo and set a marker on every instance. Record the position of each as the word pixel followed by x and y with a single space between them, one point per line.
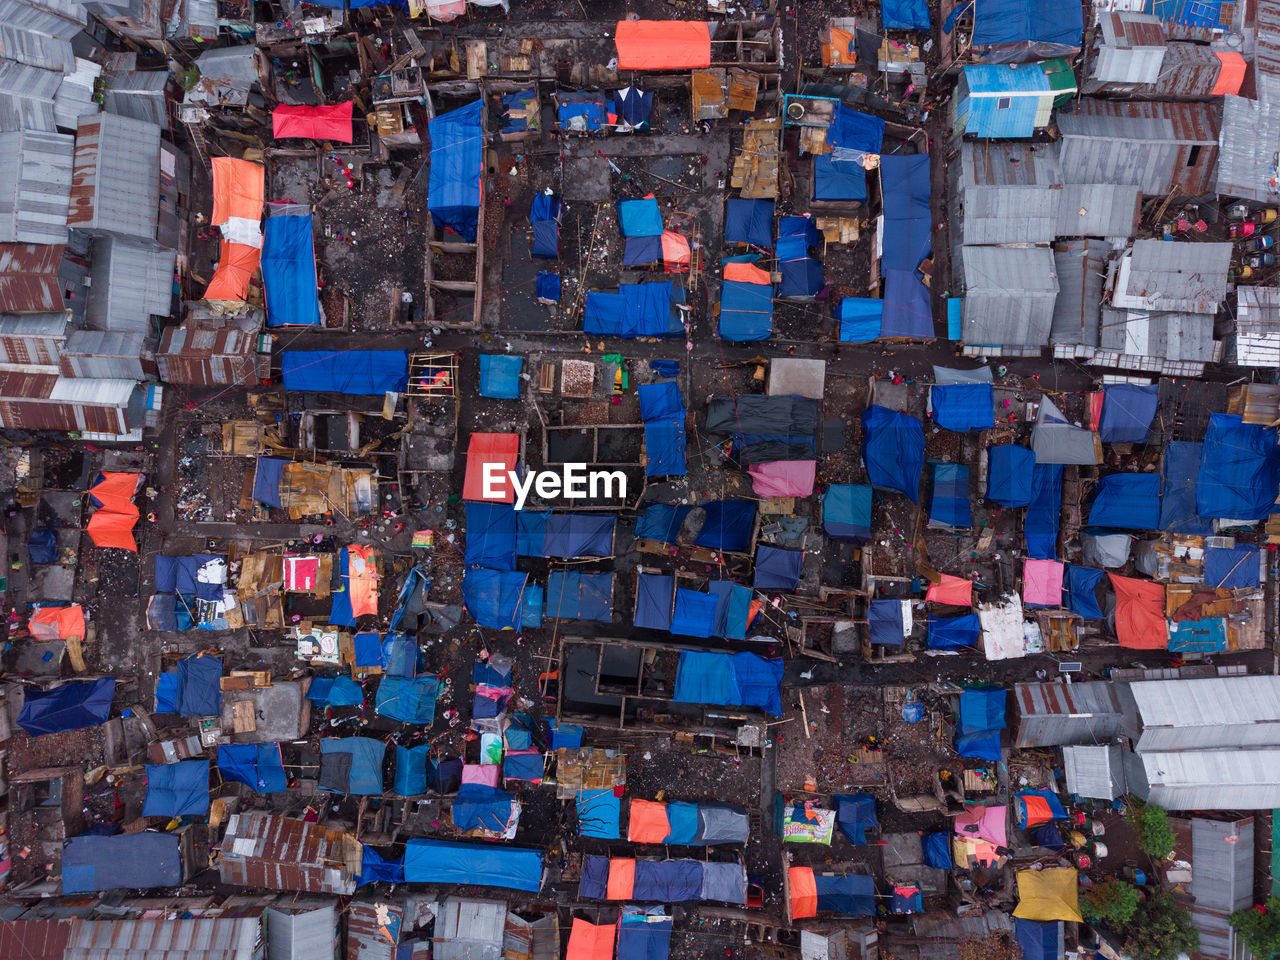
pixel 663 44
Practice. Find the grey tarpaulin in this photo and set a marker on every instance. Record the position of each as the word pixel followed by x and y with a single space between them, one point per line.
pixel 1055 440
pixel 724 882
pixel 948 375
pixel 722 823
pixel 1108 550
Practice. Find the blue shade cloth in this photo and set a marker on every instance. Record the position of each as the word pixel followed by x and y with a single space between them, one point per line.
pixel 199 686
pixel 408 700
pixel 727 524
pixel 361 373
pixel 289 273
pixel 1239 470
pixel 636 310
pixel 1010 471
pixel 852 130
pixel 1040 526
pixel 954 633
pixel 860 319
pixel 893 450
pixel 480 807
pixel 580 596
pixel 126 861
pixel 167 693
pixel 643 937
pixel 659 400
pixel 664 446
pixel 695 613
pixel 457 167
pixel 368 650
pixel 855 815
pixel 257 765
pixel 351 765
pixel 746 310
pixel 182 575
pixel 885 623
pixel 907 310
pixel 523 766
pixel 266 480
pixel 1178 472
pixel 1038 941
pixel 566 735
pixel 749 221
pixel 733 607
pixel 1028 21
pixel 495 598
pixel 500 376
pixel 937 850
pixel 846 511
pixel 640 218
pixel 908 227
pixel 1127 412
pixel 730 680
pixel 1048 796
pixel 1231 568
pixel 375 869
pixel 491 536
pixel 1198 636
pixel 177 789
pixel 654 594
pixel 850 895
pixel 964 406
pixel 336 692
pixel 682 822
pixel 546 240
pixel 485 865
pixel 1127 501
pixel 777 569
pixel 661 522
pixel 641 251
pixel 547 286
pixel 573 535
pixel 838 181
pixel 1080 587
pixel 904 15
pixel 598 814
pixel 949 504
pixel 632 106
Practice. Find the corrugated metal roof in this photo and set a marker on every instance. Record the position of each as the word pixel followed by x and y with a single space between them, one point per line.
pixel 1131 50
pixel 1256 340
pixel 1098 210
pixel 365 939
pixel 1009 296
pixel 1010 214
pixel 1186 277
pixel 1214 779
pixel 1266 55
pixel 34 939
pixel 1190 70
pixel 1250 131
pixel 36 37
pixel 103 354
pixel 1082 271
pixel 164 938
pixel 1003 79
pixel 115 185
pixel 139 94
pixel 35 181
pixel 1221 881
pixel 302 932
pixel 1208 712
pixel 470 929
pixel 1053 714
pixel 1007 164
pixel 29 277
pixel 26 96
pixel 1166 336
pixel 74 98
pixel 1094 771
pixel 226 75
pixel 132 281
pixel 105 393
pixel 280 853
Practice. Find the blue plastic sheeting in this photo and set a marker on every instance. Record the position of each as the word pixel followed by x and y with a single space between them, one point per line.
pixel 855 815
pixel 500 376
pixel 727 524
pixel 949 504
pixel 1080 589
pixel 632 106
pixel 1231 568
pixel 531 531
pixel 457 166
pixel 1198 636
pixel 1027 21
pixel 599 812
pixel 336 692
pixel 893 450
pixel 746 311
pixel 795 236
pixel 523 766
pixel 641 251
pixel 777 569
pixel 593 884
pixel 937 850
pixel 850 895
pixel 733 607
pixel 908 227
pixel 905 15
pixel 126 861
pixel 567 735
pixel 547 286
pixel 266 480
pixel 667 881
pixel 1048 796
pixel 1239 470
pixel 954 633
pixel 1189 13
pixel 531 609
pixel 695 613
pixel 1040 526
pixel 495 598
pixel 838 181
pixel 682 821
pixel 571 535
pixel 802 277
pixel 520 100
pixel 478 806
pixel 42 546
pixel 360 373
pixel 444 776
pixel 1036 940
pixel 1127 501
pixel 749 221
pixel 351 765
pixel 962 407
pixel 664 445
pixel 1127 412
pixel 545 206
pixel 661 522
pixel 643 936
pixel 846 512
pixel 546 240
pixel 1178 473
pixel 166 693
pixel 588 110
pixel 199 686
pixel 660 400
pixel 885 623
pixel 177 789
pixel 906 899
pixel 408 700
pixel 860 319
pixel 729 680
pixel 580 596
pixel 653 601
pixel 182 575
pixel 367 648
pixel 374 869
pixel 340 612
pixel 257 765
pixel 982 718
pixel 636 310
pixel 1010 469
pixel 907 310
pixel 852 130
pixel 400 655
pixel 491 536
pixel 485 865
pixel 640 218
pixel 289 273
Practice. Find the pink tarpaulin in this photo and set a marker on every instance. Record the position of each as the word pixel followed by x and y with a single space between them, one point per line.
pixel 485 773
pixel 783 478
pixel 1042 583
pixel 983 823
pixel 315 123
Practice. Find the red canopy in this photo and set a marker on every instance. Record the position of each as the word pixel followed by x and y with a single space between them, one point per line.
pixel 663 44
pixel 317 123
pixel 955 591
pixel 112 523
pixel 236 267
pixel 1140 622
pixel 501 449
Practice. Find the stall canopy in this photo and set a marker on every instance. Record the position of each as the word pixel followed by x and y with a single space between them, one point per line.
pixel 81 703
pixel 663 881
pixel 375 869
pixel 962 407
pixel 893 450
pixel 1232 568
pixel 985 823
pixel 1034 807
pixel 1080 586
pixel 1010 469
pixel 1042 583
pixel 544 221
pixel 237 263
pixel 777 569
pixel 496 598
pixel 1044 27
pixel 954 633
pixel 937 850
pixel 860 319
pixel 289 272
pixel 116 515
pixel 846 512
pixel 838 181
pixel 573 595
pixel 654 594
pixel 640 218
pixel 1140 622
pixel 855 815
pixel 408 699
pixel 801 273
pixel 599 812
pixel 127 861
pixel 636 310
pixel 749 222
pixel 686 824
pixel 316 123
pixel 1239 470
pixel 351 765
pixel 477 806
pixel 907 311
pixel 663 44
pixel 1127 412
pixel 1047 895
pixel 500 375
pixel 238 190
pixel 567 536
pixel 1056 440
pixel 1040 525
pixel 844 894
pixel 954 591
pixel 851 130
pixel 367 373
pixel 643 935
pixel 590 941
pixel 457 168
pixel 1178 472
pixel 1039 941
pixel 485 865
pixel 258 766
pixel 746 302
pixel 949 502
pixel 727 524
pixel 57 623
pixel 730 680
pixel 199 687
pixel 663 412
pixel 502 450
pixel 1128 501
pixel 908 227
pixel 982 718
pixel 766 429
pixel 632 106
pixel 177 789
pixel 886 622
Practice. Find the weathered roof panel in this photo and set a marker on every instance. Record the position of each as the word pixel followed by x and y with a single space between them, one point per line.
pixel 1208 712
pixel 35 180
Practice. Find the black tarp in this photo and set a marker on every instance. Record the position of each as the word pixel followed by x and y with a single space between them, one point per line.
pixel 766 428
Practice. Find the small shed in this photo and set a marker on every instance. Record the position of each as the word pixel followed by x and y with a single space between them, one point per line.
pixel 1010 100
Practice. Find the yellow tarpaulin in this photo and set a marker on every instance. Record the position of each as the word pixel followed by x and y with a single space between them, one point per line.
pixel 1046 895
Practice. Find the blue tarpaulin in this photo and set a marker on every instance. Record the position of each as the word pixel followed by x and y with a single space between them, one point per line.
pixel 949 503
pixel 573 535
pixel 908 227
pixel 1046 22
pixel 1190 13
pixel 860 319
pixel 126 861
pixel 572 595
pixel 363 373
pixel 855 815
pixel 521 100
pixel 850 894
pixel 42 546
pixel 904 15
pixel 729 680
pixel 1239 470
pixel 937 850
pixel 1010 469
pixel 1080 590
pixel 495 598
pixel 1027 814
pixel 727 524
pixel 632 106
pixel 581 112
pixel 776 568
pixel 654 594
pixel 1127 412
pixel 1038 941
pixel 257 765
pixel 1040 526
pixel 660 400
pixel 1178 472
pixel 1198 636
pixel 199 686
pixel 336 692
pixel 640 218
pixel 167 693
pixel 664 446
pixel 351 765
pixel 374 869
pixel 851 130
pixel 289 272
pixel 528 766
pixel 1232 568
pixel 885 623
pixel 982 718
pixel 599 812
pixel 733 606
pixel 500 375
pixel 457 167
pixel 667 881
pixel 846 512
pixel 746 310
pixel 1127 501
pixel 749 221
pixel 641 251
pixel 408 700
pixel 906 898
pixel 477 806
pixel 802 278
pixel 964 406
pixel 485 865
pixel 695 613
pixel 661 522
pixel 954 633
pixel 838 181
pixel 636 310
pixel 340 611
pixel 491 536
pixel 191 575
pixel 796 235
pixel 177 789
pixel 907 310
pixel 893 450
pixel 643 936
pixel 547 286
pixel 266 480
pixel 545 244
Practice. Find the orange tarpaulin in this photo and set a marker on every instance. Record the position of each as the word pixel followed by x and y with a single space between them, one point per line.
pixel 501 449
pixel 1230 74
pixel 675 252
pixel 1036 809
pixel 236 267
pixel 113 522
pixel 804 892
pixel 57 623
pixel 316 123
pixel 648 823
pixel 237 190
pixel 589 941
pixel 362 580
pixel 837 48
pixel 663 44
pixel 1140 622
pixel 956 591
pixel 746 272
pixel 622 879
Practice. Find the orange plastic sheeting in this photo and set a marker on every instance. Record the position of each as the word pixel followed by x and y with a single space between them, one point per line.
pixel 1140 622
pixel 113 522
pixel 1037 810
pixel 500 449
pixel 622 879
pixel 237 189
pixel 316 123
pixel 589 941
pixel 236 267
pixel 804 892
pixel 362 580
pixel 663 44
pixel 675 252
pixel 746 273
pixel 838 50
pixel 1096 400
pixel 57 623
pixel 956 591
pixel 648 823
pixel 1230 75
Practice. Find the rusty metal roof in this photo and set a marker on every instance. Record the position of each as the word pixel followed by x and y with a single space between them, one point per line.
pixel 280 853
pixel 1266 56
pixel 29 277
pixel 163 938
pixel 35 939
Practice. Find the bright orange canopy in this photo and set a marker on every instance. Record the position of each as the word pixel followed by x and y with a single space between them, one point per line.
pixel 500 449
pixel 362 579
pixel 746 273
pixel 663 44
pixel 804 892
pixel 236 267
pixel 622 878
pixel 1140 622
pixel 238 189
pixel 1230 74
pixel 57 623
pixel 113 522
pixel 589 941
pixel 648 823
pixel 956 591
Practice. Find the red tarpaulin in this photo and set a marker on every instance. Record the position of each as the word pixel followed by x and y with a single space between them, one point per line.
pixel 956 591
pixel 236 267
pixel 589 941
pixel 113 522
pixel 237 190
pixel 501 449
pixel 1140 622
pixel 316 123
pixel 57 623
pixel 663 44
